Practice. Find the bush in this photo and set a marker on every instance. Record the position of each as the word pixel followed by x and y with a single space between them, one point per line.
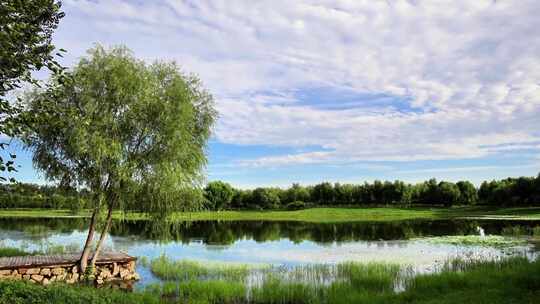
pixel 267 198
pixel 219 195
pixel 296 205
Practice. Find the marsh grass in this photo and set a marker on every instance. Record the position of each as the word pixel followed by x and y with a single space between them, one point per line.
pixel 61 249
pixel 276 290
pixel 313 274
pixel 519 231
pixel 195 291
pixel 513 280
pixel 11 252
pixel 328 283
pixel 376 277
pixel 46 249
pixel 185 270
pixel 236 283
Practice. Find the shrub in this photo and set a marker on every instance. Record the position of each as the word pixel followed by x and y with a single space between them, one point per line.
pixel 296 205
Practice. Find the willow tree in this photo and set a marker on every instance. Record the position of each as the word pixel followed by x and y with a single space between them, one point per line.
pixel 124 130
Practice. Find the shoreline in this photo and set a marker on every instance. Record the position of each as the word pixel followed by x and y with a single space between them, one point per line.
pixel 314 215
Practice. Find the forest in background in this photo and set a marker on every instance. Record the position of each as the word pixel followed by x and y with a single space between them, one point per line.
pixel 218 195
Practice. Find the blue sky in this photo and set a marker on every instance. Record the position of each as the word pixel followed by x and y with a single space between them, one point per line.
pixel 342 91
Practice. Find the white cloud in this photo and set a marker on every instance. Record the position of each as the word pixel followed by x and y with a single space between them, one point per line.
pixel 468 169
pixel 469 70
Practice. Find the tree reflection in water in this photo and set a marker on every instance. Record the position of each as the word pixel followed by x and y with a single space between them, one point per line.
pixel 227 232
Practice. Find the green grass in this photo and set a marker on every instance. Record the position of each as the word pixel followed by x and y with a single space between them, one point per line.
pixel 317 215
pixel 19 292
pixel 195 282
pixel 377 277
pixel 11 252
pixel 323 215
pixel 186 270
pixel 47 249
pixel 514 280
pixel 41 213
pixel 195 291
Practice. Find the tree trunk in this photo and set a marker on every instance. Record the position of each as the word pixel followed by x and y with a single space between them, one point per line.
pixel 102 237
pixel 87 245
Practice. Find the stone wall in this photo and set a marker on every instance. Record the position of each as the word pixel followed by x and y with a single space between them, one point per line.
pixel 70 273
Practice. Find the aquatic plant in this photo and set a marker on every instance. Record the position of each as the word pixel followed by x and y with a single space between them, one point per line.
pixel 378 277
pixel 488 240
pixel 143 260
pixel 277 290
pixel 536 232
pixel 61 249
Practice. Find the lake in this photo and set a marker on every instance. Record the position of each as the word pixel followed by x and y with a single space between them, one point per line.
pixel 278 243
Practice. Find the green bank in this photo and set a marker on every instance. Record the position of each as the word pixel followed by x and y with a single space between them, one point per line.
pixel 318 215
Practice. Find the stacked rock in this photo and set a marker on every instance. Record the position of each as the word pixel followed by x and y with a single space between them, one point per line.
pixel 70 274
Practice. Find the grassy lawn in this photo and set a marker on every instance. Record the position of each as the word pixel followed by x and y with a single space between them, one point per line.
pixel 318 215
pixel 41 213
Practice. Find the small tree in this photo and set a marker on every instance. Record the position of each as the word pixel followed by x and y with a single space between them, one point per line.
pixel 323 193
pixel 266 198
pixel 219 194
pixel 468 193
pixel 448 194
pixel 296 193
pixel 125 130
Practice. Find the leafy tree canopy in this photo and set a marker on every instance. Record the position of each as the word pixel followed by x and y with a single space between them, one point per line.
pixel 219 194
pixel 124 129
pixel 268 198
pixel 26 29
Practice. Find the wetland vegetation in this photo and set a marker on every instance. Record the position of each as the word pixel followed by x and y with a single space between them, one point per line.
pixel 514 280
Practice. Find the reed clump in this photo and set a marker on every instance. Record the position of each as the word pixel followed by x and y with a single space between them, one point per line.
pixel 186 270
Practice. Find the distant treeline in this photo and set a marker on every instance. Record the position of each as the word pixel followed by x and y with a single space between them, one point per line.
pixel 218 195
pixel 522 191
pixel 23 195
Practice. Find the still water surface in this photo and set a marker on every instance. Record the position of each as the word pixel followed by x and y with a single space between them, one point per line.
pixel 277 243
